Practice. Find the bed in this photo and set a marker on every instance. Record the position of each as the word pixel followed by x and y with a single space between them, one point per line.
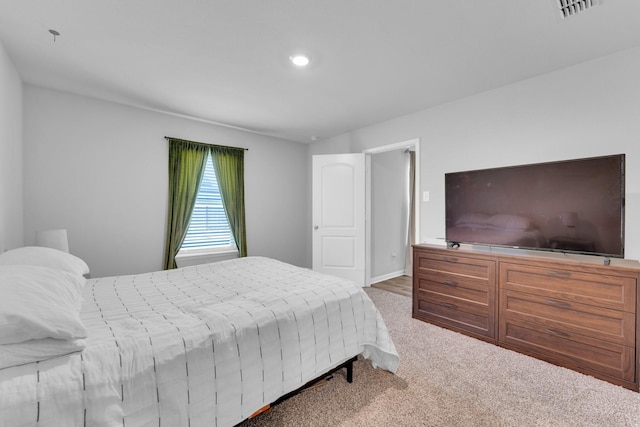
pixel 206 345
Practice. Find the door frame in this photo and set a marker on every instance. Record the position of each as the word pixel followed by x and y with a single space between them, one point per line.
pixel 413 144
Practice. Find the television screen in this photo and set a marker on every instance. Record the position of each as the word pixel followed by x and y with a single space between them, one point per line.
pixel 567 206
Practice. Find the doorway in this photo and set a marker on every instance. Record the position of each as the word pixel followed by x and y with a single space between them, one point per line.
pixel 392 188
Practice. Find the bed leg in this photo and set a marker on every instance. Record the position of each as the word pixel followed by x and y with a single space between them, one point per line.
pixel 350 371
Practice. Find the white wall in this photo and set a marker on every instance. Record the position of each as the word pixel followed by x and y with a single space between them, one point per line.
pixel 99 169
pixel 11 205
pixel 587 110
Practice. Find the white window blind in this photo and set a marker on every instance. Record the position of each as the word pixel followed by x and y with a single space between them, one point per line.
pixel 209 227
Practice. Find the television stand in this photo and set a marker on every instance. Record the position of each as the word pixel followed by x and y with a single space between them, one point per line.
pixel 578 315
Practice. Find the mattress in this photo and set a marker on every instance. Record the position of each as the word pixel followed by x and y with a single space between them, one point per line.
pixel 206 345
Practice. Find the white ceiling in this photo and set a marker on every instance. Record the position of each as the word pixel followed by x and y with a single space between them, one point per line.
pixel 226 61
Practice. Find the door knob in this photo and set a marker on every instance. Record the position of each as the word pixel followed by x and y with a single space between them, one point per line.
pixel 315 227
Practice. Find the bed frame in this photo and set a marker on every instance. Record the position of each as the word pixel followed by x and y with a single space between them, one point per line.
pixel 348 365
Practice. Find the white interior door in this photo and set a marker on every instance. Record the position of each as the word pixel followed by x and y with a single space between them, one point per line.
pixel 338 215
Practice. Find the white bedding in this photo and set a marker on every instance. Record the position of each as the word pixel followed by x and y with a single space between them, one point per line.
pixel 206 345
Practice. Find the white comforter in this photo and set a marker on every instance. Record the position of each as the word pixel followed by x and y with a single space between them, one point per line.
pixel 199 346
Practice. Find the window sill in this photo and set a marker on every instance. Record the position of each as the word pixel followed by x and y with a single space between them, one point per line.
pixel 187 257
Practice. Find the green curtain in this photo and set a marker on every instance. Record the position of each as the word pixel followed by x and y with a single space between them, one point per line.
pixel 228 163
pixel 187 161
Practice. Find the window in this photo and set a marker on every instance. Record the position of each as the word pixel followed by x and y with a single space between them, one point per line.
pixel 209 227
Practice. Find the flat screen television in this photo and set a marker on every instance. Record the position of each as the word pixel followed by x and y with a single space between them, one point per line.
pixel 572 206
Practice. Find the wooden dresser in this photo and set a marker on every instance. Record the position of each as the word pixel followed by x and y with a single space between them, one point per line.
pixel 577 315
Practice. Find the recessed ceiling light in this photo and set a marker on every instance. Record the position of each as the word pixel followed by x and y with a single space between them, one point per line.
pixel 300 60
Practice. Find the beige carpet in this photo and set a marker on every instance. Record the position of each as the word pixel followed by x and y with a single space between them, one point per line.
pixel 448 379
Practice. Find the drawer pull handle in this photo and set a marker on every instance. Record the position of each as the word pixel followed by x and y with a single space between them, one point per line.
pixel 449 259
pixel 449 305
pixel 558 303
pixel 559 273
pixel 558 333
pixel 450 283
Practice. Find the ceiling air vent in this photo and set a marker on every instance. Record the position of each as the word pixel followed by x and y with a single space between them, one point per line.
pixel 573 7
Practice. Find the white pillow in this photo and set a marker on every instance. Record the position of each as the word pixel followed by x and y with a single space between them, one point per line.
pixel 45 257
pixel 39 302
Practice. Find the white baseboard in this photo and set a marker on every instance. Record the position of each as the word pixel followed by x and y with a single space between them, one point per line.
pixel 386 277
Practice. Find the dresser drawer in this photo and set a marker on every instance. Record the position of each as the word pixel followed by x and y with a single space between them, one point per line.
pixel 460 266
pixel 599 358
pixel 573 286
pixel 458 313
pixel 464 287
pixel 570 320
